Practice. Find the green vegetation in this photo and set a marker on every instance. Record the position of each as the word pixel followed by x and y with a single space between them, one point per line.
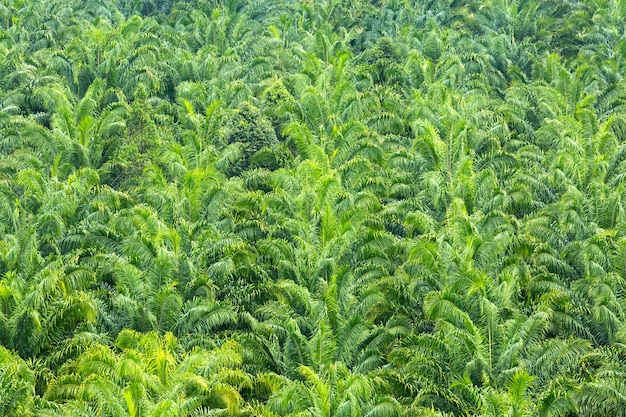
pixel 313 208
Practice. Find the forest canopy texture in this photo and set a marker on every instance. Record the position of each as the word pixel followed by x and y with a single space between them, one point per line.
pixel 309 208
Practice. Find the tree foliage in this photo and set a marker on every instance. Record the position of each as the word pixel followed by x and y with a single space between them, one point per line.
pixel 312 208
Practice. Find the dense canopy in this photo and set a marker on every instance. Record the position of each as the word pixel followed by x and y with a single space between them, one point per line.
pixel 312 208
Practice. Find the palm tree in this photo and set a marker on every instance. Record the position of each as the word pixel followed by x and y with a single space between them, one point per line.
pixel 333 392
pixel 17 383
pixel 147 375
pixel 87 132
